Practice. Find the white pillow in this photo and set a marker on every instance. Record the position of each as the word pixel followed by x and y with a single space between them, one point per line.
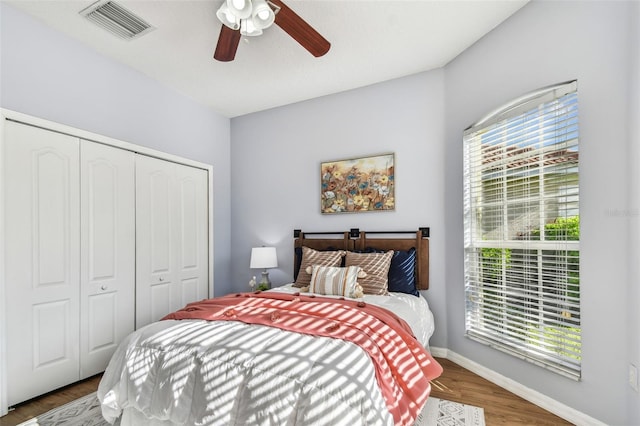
pixel 336 281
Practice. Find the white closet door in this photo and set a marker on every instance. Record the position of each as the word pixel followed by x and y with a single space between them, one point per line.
pixel 107 262
pixel 193 249
pixel 42 268
pixel 171 237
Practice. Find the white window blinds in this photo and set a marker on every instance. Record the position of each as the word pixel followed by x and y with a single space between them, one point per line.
pixel 522 229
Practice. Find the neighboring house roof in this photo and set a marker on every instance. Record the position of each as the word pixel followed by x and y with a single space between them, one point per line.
pixel 521 158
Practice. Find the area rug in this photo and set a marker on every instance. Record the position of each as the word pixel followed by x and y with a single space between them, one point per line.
pixel 440 412
pixel 85 411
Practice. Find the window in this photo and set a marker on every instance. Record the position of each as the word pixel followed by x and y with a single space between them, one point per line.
pixel 522 229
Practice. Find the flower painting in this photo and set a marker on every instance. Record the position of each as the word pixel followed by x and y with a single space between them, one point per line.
pixel 359 185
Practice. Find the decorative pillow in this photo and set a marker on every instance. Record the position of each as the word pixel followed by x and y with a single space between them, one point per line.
pixel 312 257
pixel 402 275
pixel 376 265
pixel 298 257
pixel 336 281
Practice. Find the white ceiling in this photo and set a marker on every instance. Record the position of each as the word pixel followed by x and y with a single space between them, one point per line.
pixel 371 41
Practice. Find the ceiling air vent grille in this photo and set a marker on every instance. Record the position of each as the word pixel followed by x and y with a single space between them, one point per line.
pixel 116 19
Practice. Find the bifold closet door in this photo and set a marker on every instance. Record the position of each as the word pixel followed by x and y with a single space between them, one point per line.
pixel 107 224
pixel 42 260
pixel 171 237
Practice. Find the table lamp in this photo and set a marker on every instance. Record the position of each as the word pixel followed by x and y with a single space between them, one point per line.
pixel 264 258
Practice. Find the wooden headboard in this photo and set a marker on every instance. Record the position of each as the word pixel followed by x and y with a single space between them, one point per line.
pixel 360 240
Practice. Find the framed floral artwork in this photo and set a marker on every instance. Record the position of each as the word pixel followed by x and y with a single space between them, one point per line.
pixel 364 184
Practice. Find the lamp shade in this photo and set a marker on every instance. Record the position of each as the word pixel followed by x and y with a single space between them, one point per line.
pixel 263 258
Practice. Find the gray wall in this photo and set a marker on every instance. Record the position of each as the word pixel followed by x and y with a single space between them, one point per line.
pixel 633 296
pixel 276 156
pixel 545 43
pixel 45 74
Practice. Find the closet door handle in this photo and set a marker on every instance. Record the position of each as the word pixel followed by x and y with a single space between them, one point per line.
pixel 103 287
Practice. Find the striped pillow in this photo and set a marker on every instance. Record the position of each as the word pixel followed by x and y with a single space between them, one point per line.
pixel 336 281
pixel 312 257
pixel 376 265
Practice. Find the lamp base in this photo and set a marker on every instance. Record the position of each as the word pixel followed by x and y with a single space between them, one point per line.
pixel 264 284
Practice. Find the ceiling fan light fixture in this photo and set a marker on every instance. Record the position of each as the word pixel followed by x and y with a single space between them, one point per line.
pixel 262 14
pixel 240 8
pixel 227 17
pixel 248 28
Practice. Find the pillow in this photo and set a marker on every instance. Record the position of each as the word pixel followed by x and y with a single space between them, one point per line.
pixel 376 265
pixel 336 281
pixel 298 256
pixel 402 275
pixel 312 257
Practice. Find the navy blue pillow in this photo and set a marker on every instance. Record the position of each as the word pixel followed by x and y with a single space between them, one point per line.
pixel 402 270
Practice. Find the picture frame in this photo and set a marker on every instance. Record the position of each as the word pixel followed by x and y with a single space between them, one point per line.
pixel 357 185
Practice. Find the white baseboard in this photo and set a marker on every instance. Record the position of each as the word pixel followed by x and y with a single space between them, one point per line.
pixel 561 410
pixel 439 352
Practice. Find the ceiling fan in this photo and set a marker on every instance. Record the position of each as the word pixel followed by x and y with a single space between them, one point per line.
pixel 250 17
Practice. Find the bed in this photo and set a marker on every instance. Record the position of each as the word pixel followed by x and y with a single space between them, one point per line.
pixel 334 347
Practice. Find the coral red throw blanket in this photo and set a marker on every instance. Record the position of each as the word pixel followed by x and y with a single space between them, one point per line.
pixel 403 367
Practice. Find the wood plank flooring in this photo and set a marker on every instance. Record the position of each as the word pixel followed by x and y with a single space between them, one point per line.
pixel 501 407
pixel 34 407
pixel 456 384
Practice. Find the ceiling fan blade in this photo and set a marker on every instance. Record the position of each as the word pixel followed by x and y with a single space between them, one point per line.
pixel 227 44
pixel 300 30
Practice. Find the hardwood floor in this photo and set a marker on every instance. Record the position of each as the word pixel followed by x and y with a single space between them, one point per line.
pixel 34 407
pixel 456 384
pixel 501 407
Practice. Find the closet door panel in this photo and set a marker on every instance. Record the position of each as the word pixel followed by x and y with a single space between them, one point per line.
pixel 193 202
pixel 108 253
pixel 160 300
pixel 156 239
pixel 48 319
pixel 42 261
pixel 102 326
pixel 160 214
pixel 171 237
pixel 190 291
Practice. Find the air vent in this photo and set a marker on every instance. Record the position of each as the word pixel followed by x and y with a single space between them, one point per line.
pixel 116 19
